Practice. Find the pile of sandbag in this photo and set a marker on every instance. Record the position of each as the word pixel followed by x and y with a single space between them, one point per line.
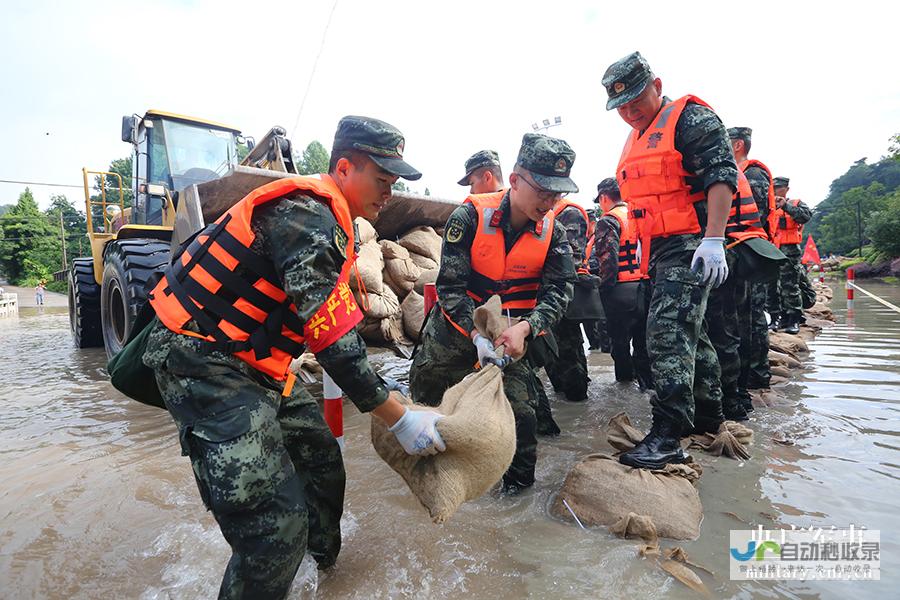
pixel 393 276
pixel 478 429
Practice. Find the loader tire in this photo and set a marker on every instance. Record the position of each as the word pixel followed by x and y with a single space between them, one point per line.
pixel 84 304
pixel 127 267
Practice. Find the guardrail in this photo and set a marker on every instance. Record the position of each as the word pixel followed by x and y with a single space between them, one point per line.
pixel 9 305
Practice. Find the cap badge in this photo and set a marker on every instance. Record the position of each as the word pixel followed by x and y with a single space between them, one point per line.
pixel 560 166
pixel 618 87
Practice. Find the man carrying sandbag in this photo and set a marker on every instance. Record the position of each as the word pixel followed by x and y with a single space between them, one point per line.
pixel 250 292
pixel 484 176
pixel 678 174
pixel 506 243
pixel 623 288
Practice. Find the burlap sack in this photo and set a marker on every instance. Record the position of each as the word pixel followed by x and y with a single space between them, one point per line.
pixel 370 264
pixel 786 343
pixel 383 305
pixel 602 491
pixel 383 331
pixel 425 277
pixel 782 359
pixel 423 262
pixel 424 241
pixel 820 311
pixel 479 430
pixel 413 309
pixel 391 249
pixel 402 273
pixel 366 231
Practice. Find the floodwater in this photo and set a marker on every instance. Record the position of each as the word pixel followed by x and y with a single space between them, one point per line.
pixel 97 502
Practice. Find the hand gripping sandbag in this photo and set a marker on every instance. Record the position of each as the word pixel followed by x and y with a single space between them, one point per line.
pixel 480 433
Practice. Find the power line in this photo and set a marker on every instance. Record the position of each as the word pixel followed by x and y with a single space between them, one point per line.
pixel 314 67
pixel 80 186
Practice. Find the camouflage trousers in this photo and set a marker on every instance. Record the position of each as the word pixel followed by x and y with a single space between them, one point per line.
pixel 786 299
pixel 444 357
pixel 597 334
pixel 628 328
pixel 723 323
pixel 267 466
pixel 683 361
pixel 568 373
pixel 755 348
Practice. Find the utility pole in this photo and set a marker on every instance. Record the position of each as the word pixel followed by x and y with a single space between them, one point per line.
pixel 62 237
pixel 859 226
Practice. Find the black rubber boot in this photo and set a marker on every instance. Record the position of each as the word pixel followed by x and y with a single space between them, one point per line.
pixel 734 410
pixel 661 447
pixel 704 425
pixel 792 327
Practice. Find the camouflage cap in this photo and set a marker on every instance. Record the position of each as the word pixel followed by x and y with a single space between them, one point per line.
pixel 780 182
pixel 482 158
pixel 740 133
pixel 549 160
pixel 625 79
pixel 381 141
pixel 608 186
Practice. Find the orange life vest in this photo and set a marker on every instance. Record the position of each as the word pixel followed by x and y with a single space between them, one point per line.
pixel 743 219
pixel 653 179
pixel 588 249
pixel 789 230
pixel 514 276
pixel 629 269
pixel 562 204
pixel 235 296
pixel 771 224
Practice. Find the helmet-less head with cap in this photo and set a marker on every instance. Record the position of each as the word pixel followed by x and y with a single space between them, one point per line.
pixel 366 159
pixel 740 141
pixel 542 174
pixel 633 90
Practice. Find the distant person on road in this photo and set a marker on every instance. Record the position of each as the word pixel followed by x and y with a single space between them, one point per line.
pixel 39 293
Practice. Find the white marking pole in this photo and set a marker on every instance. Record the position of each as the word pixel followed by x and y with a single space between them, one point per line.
pixel 851 275
pixel 334 407
pixel 874 297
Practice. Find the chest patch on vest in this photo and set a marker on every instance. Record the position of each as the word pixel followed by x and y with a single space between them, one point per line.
pixel 340 240
pixel 654 139
pixel 454 232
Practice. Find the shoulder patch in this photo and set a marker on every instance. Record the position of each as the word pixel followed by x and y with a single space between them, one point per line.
pixel 454 231
pixel 340 240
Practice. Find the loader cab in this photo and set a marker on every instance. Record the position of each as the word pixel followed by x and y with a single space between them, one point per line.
pixel 173 152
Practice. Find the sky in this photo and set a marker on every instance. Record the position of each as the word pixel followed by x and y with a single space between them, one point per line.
pixel 817 81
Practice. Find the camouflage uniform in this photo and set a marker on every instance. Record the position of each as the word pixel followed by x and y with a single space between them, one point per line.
pixel 723 323
pixel 685 367
pixel 266 464
pixel 754 331
pixel 625 328
pixel 790 301
pixel 568 373
pixel 445 355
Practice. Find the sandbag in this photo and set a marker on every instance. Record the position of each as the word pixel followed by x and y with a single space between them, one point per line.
pixel 479 430
pixel 423 262
pixel 383 331
pixel 383 305
pixel 424 241
pixel 413 309
pixel 786 360
pixel 820 311
pixel 402 273
pixel 602 491
pixel 787 343
pixel 424 278
pixel 370 264
pixel 365 231
pixel 391 249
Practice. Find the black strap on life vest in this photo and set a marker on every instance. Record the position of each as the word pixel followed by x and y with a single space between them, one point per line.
pixel 628 257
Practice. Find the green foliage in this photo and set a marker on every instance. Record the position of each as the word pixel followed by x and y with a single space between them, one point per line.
pixel 884 226
pixel 28 244
pixel 314 159
pixel 74 224
pixel 399 186
pixel 850 262
pixel 121 166
pixel 868 186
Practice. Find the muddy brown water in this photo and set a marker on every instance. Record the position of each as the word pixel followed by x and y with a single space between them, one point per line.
pixel 96 501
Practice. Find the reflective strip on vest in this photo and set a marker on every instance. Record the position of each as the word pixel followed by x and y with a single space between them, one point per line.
pixel 771 224
pixel 743 219
pixel 629 268
pixel 789 230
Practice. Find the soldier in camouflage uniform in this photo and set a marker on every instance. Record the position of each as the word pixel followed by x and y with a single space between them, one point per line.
pixel 787 304
pixel 265 462
pixel 596 329
pixel 568 372
pixel 754 347
pixel 450 345
pixel 484 176
pixel 682 266
pixel 626 328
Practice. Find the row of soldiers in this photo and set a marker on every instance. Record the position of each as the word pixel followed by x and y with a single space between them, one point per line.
pixel 270 279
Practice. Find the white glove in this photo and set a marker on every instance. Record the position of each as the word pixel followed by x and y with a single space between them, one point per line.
pixel 417 434
pixel 487 354
pixel 710 259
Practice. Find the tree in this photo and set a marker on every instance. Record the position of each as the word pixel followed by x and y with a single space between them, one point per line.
pixel 74 224
pixel 28 246
pixel 121 166
pixel 314 159
pixel 399 186
pixel 884 226
pixel 839 232
pixel 894 148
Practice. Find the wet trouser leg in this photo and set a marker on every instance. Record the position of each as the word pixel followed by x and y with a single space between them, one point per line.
pixel 745 330
pixel 592 332
pixel 724 333
pixel 620 326
pixel 444 357
pixel 568 372
pixel 791 302
pixel 266 466
pixel 773 298
pixel 759 375
pixel 546 424
pixel 683 361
